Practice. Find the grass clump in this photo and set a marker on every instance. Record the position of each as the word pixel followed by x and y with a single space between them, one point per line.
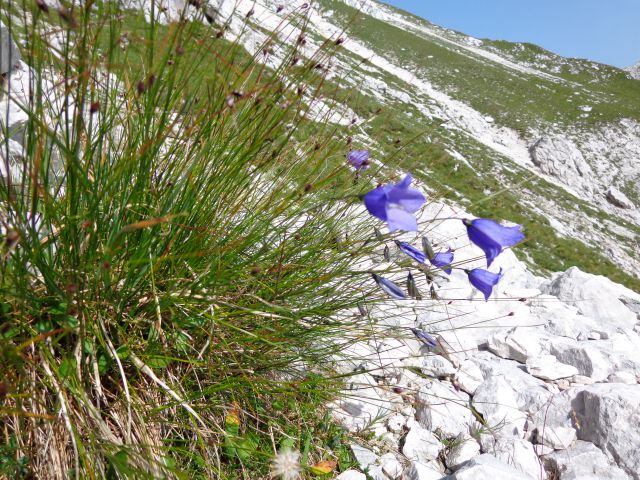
pixel 173 260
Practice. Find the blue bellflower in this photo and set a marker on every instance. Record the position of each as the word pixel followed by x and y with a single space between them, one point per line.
pixel 359 159
pixel 395 204
pixel 388 287
pixel 492 237
pixel 412 252
pixel 443 260
pixel 484 280
pixel 425 338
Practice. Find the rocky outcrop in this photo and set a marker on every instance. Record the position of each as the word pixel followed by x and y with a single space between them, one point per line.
pixel 542 383
pixel 634 71
pixel 619 199
pixel 559 157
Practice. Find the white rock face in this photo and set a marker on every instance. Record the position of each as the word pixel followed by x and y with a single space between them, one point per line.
pixel 517 344
pixel 587 359
pixel 421 445
pixel 619 199
pixel 634 70
pixel 520 455
pixel 561 158
pixel 529 378
pixel 548 367
pixel 441 407
pixel 557 438
pixel 609 415
pixel 498 404
pixel 487 467
pixel 594 296
pixel 421 471
pixel 364 456
pixel 584 461
pixel 468 377
pixel 466 448
pixel 391 467
pixel 351 475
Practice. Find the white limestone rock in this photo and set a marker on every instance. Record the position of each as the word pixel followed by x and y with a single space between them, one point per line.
pixel 468 377
pixel 487 467
pixel 586 358
pixel 421 445
pixel 466 448
pixel 531 393
pixel 583 461
pixel 441 407
pixel 396 423
pixel 594 296
pixel 519 454
pixel 542 450
pixel 548 367
pixel 391 467
pixel 498 404
pixel 364 456
pixel 625 376
pixel 609 415
pixel 557 438
pixel 364 403
pixel 351 475
pixel 424 471
pixel 517 344
pixel 560 157
pixel 437 366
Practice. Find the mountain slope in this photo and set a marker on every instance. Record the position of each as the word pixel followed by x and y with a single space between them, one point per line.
pixel 504 130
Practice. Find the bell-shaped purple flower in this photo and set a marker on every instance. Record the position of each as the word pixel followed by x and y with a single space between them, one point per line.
pixel 425 338
pixel 484 280
pixel 492 237
pixel 359 159
pixel 412 252
pixel 389 287
pixel 443 260
pixel 395 204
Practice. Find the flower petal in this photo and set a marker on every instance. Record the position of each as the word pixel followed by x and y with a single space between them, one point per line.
pixel 492 237
pixel 359 159
pixel 484 280
pixel 389 287
pixel 505 236
pixel 443 260
pixel 376 202
pixel 409 199
pixel 425 338
pixel 398 219
pixel 411 251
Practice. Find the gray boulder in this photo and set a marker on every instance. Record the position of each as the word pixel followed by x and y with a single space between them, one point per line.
pixel 608 416
pixel 583 461
pixel 596 297
pixel 487 467
pixel 619 199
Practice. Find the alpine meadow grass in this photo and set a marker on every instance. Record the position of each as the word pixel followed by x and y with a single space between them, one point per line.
pixel 174 261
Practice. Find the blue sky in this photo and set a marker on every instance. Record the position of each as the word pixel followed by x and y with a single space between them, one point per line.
pixel 607 31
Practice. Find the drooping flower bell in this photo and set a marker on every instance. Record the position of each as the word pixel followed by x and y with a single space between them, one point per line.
pixel 492 237
pixel 388 287
pixel 484 280
pixel 395 204
pixel 443 260
pixel 412 252
pixel 424 337
pixel 358 159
